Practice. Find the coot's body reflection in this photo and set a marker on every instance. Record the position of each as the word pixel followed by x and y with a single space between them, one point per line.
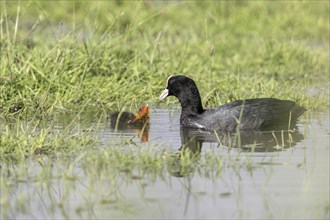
pixel 192 141
pixel 248 140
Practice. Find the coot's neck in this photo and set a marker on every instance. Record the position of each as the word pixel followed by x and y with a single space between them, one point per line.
pixel 191 104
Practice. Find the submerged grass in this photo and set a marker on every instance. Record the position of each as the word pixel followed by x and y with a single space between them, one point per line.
pixel 58 180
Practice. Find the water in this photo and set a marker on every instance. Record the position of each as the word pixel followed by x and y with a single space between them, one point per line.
pixel 272 175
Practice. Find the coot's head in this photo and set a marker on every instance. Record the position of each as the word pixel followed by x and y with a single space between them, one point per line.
pixel 185 90
pixel 177 85
pixel 142 115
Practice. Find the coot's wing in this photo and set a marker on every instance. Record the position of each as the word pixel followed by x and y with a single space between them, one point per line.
pixel 255 113
pixel 227 116
pixel 277 112
pixel 267 112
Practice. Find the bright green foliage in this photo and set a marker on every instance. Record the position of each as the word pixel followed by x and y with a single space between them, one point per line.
pixel 64 55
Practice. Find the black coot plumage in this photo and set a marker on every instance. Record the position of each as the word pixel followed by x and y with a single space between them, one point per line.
pixel 260 113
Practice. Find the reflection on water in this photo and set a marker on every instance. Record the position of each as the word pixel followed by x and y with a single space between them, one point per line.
pixel 163 126
pixel 125 120
pixel 277 174
pixel 274 139
pixel 141 131
pixel 250 140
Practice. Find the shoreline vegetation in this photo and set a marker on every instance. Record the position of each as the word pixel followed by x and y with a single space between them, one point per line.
pixel 110 55
pixel 71 58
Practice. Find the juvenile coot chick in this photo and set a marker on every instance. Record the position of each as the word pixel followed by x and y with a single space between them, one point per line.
pixel 260 113
pixel 127 119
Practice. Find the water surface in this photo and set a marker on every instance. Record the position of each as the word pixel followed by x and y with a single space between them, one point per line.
pixel 283 174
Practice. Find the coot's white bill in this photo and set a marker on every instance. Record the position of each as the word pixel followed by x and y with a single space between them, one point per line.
pixel 164 94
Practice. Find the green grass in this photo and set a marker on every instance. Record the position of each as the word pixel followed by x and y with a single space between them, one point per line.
pixel 106 54
pixel 65 62
pixel 71 57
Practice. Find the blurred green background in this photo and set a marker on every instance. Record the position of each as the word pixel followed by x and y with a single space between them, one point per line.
pixel 110 54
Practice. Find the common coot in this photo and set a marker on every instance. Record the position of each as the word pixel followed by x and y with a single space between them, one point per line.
pixel 260 113
pixel 127 119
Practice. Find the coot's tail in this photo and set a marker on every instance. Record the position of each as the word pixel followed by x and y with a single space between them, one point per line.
pixel 296 111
